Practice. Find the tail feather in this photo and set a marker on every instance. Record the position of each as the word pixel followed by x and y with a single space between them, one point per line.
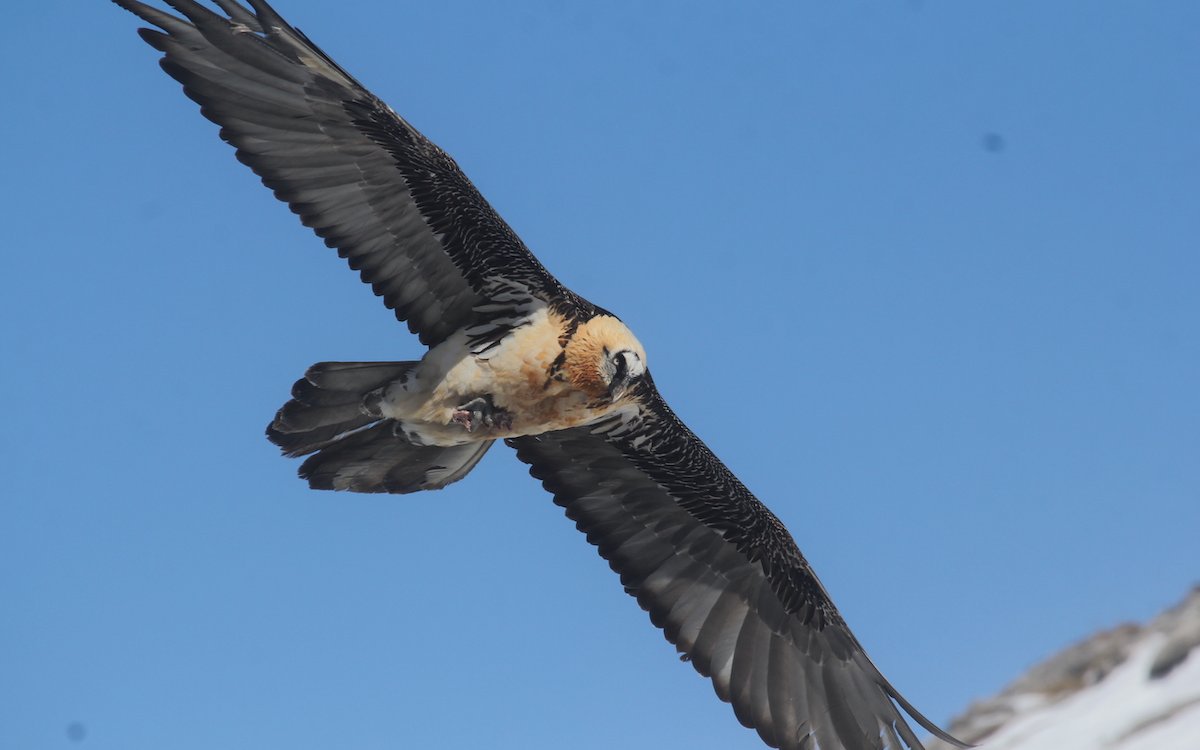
pixel 355 377
pixel 354 449
pixel 377 460
pixel 328 402
pixel 311 395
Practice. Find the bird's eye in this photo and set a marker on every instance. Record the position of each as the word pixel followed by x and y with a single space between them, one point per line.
pixel 621 365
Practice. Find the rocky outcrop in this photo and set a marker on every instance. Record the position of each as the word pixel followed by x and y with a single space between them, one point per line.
pixel 1130 687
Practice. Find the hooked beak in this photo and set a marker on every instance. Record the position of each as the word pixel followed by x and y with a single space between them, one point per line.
pixel 617 389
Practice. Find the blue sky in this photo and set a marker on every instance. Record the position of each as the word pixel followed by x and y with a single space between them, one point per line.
pixel 924 274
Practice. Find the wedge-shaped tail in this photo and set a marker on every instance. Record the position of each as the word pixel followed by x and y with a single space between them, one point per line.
pixel 353 449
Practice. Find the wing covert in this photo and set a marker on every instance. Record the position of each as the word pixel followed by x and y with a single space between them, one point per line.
pixel 718 572
pixel 390 201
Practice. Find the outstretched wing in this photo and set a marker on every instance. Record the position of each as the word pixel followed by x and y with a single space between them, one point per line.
pixel 391 202
pixel 722 577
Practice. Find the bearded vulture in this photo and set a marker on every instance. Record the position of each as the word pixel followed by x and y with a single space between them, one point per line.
pixel 513 355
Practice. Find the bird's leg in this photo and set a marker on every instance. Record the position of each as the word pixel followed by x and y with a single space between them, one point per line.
pixel 481 412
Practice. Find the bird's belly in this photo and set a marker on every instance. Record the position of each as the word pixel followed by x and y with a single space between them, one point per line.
pixel 526 410
pixel 514 376
pixel 436 425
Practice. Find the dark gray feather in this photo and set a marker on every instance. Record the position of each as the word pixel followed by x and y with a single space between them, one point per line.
pixel 327 403
pixel 724 580
pixel 391 202
pixel 376 459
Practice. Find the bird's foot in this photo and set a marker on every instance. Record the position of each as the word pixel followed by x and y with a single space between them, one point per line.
pixel 481 412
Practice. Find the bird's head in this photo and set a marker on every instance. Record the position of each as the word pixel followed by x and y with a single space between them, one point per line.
pixel 603 358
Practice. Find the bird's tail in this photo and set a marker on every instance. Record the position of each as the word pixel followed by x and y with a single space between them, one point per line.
pixel 353 449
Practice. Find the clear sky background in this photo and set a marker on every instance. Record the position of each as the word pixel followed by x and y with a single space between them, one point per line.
pixel 926 275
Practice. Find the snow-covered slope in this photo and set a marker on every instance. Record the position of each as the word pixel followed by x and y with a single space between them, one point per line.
pixel 1130 688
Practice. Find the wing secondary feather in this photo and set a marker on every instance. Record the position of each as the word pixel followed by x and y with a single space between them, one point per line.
pixel 724 580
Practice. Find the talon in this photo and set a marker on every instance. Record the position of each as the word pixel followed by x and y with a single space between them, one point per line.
pixel 481 412
pixel 464 418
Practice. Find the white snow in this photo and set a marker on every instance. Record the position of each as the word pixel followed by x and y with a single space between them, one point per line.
pixel 1124 711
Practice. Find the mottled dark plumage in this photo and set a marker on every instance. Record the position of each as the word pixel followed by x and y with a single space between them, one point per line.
pixel 719 573
pixel 714 568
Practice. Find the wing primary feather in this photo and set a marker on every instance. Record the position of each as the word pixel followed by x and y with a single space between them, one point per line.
pixel 195 12
pixel 268 17
pixel 240 15
pixel 842 696
pixel 150 14
pixel 889 732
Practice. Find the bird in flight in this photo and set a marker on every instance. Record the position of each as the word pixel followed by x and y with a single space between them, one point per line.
pixel 515 356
